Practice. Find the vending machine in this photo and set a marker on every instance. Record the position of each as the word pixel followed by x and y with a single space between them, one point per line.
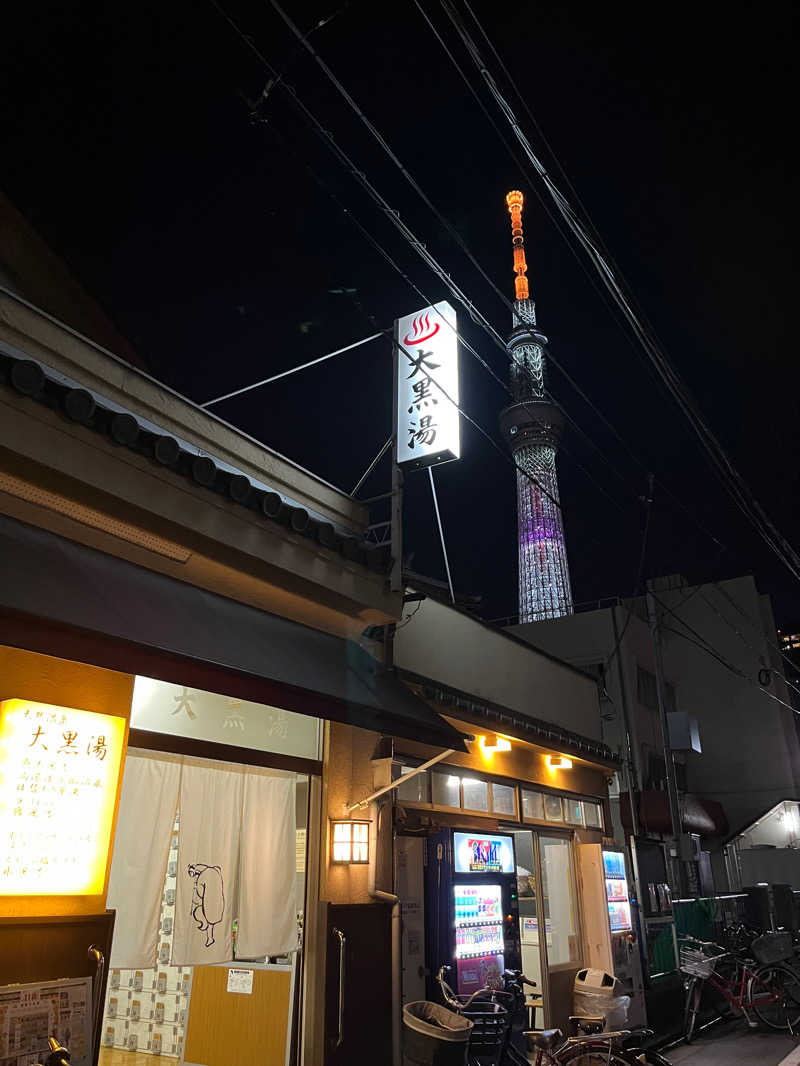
pixel 611 922
pixel 472 917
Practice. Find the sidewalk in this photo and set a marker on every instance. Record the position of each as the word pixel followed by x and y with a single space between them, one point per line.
pixel 732 1044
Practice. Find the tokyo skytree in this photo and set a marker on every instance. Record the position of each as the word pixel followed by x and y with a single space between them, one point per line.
pixel 532 427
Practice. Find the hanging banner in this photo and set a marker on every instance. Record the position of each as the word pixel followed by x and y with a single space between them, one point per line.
pixel 208 860
pixel 426 361
pixel 59 775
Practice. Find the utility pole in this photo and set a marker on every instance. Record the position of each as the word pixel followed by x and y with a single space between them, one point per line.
pixel 669 763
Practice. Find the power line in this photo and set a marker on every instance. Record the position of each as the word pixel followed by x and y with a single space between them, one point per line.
pixel 706 646
pixel 748 644
pixel 421 250
pixel 385 255
pixel 730 477
pixel 416 244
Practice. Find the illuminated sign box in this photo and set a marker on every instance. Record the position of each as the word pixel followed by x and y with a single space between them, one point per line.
pixel 483 853
pixel 59 773
pixel 426 359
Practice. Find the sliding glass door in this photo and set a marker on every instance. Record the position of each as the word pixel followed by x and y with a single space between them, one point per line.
pixel 548 917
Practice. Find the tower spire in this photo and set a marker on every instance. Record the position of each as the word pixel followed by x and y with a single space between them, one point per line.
pixel 515 200
pixel 532 427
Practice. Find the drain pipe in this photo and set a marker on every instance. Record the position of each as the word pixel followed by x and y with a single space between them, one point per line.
pixel 386 897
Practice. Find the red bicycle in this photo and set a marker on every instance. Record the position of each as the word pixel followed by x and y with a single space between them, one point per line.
pixel 767 993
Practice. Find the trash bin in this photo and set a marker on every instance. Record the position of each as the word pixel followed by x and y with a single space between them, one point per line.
pixel 434 1035
pixel 597 995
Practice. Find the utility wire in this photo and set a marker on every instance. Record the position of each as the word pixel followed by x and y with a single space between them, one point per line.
pixel 706 646
pixel 409 236
pixel 730 477
pixel 427 300
pixel 752 647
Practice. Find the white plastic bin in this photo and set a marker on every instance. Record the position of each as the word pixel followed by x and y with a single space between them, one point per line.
pixel 596 994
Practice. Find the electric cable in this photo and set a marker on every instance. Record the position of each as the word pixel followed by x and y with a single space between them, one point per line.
pixel 729 476
pixel 648 501
pixel 375 244
pixel 751 646
pixel 409 236
pixel 732 669
pixel 708 647
pixel 453 233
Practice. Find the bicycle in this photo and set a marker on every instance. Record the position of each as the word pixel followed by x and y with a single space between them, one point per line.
pixel 591 1047
pixel 768 992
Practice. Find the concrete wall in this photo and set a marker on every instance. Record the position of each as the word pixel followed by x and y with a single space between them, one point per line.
pixel 456 649
pixel 751 753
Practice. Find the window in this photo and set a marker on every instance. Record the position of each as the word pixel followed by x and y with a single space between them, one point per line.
pixel 573 811
pixel 533 805
pixel 592 815
pixel 553 811
pixel 417 790
pixel 503 799
pixel 446 790
pixel 476 794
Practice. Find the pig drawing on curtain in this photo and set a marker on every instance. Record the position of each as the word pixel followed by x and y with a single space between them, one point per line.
pixel 208 899
pixel 208 860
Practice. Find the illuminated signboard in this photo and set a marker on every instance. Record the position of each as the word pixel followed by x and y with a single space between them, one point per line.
pixel 479 853
pixel 427 387
pixel 59 771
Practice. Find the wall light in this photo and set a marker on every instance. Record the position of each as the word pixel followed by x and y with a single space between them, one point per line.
pixel 493 743
pixel 559 762
pixel 350 842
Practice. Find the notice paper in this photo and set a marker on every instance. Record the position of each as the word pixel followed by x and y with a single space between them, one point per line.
pixel 29 1014
pixel 240 981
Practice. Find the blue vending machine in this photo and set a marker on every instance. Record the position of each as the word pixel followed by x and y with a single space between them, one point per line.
pixel 472 917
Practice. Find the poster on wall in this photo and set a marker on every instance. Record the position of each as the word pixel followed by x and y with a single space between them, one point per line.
pixel 59 774
pixel 30 1013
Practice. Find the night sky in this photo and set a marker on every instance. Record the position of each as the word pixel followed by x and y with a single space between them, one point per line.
pixel 130 147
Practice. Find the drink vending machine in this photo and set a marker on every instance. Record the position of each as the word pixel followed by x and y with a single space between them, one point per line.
pixel 611 927
pixel 471 912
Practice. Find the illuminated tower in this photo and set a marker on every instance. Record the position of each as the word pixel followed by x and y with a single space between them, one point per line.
pixel 532 428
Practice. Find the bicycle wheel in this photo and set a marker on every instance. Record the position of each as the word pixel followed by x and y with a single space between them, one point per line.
pixel 595 1055
pixel 774 994
pixel 694 991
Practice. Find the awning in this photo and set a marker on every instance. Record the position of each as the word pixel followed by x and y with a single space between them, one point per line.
pixel 61 598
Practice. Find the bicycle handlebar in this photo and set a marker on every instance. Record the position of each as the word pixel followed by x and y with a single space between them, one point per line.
pixel 450 996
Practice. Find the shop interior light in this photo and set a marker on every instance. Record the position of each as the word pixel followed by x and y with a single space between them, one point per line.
pixel 350 842
pixel 559 762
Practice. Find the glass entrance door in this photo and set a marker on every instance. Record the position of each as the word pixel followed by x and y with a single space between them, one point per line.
pixel 548 920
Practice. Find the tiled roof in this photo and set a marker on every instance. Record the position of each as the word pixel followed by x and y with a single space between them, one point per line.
pixel 78 405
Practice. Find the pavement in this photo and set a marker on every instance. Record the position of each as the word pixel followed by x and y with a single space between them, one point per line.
pixel 733 1044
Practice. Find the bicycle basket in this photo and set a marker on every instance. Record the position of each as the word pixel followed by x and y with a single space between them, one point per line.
pixel 490 1024
pixel 700 960
pixel 772 947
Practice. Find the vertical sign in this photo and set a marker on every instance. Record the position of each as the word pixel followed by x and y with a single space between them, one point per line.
pixel 426 357
pixel 59 772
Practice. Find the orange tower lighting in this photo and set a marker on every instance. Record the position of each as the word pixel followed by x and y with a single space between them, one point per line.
pixel 515 201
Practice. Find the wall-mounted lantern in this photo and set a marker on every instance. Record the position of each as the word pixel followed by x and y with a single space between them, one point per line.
pixel 350 842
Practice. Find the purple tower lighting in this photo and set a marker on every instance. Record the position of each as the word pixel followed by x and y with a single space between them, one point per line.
pixel 532 428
